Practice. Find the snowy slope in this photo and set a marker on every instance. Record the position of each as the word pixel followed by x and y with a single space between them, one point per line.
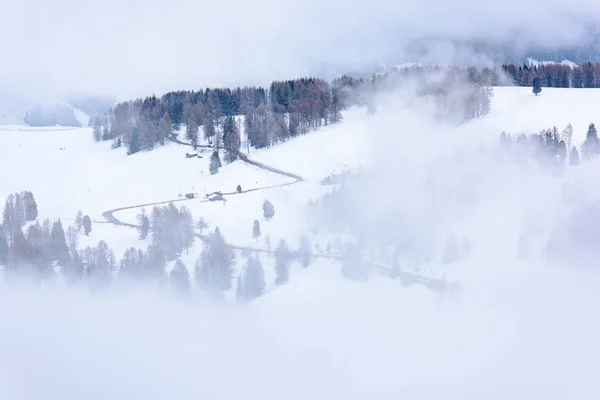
pixel 516 329
pixel 93 178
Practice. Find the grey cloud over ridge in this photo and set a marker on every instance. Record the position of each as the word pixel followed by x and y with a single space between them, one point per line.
pixel 135 47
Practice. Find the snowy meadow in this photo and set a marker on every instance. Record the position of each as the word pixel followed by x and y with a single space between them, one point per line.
pixel 515 326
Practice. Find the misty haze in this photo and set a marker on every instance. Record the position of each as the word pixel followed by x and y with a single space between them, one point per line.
pixel 299 200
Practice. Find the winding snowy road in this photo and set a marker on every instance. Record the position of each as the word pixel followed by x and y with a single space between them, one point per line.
pixel 405 277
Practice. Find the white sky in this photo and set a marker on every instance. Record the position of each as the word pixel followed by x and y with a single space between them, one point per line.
pixel 134 47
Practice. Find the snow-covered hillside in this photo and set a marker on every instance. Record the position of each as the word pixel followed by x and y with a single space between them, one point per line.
pixel 516 328
pixel 93 178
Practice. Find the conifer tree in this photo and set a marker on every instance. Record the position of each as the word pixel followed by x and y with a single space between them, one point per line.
pixel 256 230
pixel 191 132
pixel 282 263
pixel 253 279
pixel 574 157
pixel 591 145
pixel 179 279
pixel 215 163
pixel 31 210
pixel 97 131
pixel 87 225
pixel 165 127
pixel 268 209
pixel 537 85
pixel 143 224
pixel 209 129
pixel 214 268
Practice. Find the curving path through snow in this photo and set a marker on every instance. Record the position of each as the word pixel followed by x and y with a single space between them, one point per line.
pixel 405 277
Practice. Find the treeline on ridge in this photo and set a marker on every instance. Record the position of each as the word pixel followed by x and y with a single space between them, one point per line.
pixel 284 110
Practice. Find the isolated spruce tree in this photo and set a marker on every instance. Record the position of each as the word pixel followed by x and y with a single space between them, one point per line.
pixel 282 263
pixel 143 224
pixel 179 279
pixel 591 146
pixel 215 163
pixel 574 157
pixel 268 209
pixel 31 210
pixel 537 85
pixel 87 225
pixel 256 230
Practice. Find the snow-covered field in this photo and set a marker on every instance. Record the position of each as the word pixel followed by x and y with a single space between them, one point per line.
pixel 93 178
pixel 516 329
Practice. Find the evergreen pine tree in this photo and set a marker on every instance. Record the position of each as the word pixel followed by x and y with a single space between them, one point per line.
pixel 537 85
pixel 268 209
pixel 31 210
pixel 282 263
pixel 209 129
pixel 87 225
pixel 253 279
pixel 143 224
pixel 591 146
pixel 256 230
pixel 59 250
pixel 240 290
pixel 214 268
pixel 215 163
pixel 191 132
pixel 574 157
pixel 179 279
pixel 97 131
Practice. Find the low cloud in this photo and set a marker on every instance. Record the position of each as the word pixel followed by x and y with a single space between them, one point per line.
pixel 135 48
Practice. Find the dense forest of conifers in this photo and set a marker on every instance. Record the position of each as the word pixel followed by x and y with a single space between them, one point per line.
pixel 294 107
pixel 284 110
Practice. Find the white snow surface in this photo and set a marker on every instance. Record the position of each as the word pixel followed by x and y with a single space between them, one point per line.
pixel 514 329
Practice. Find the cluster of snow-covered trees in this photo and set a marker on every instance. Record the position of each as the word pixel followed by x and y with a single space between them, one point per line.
pixel 558 75
pixel 284 110
pixel 50 253
pixel 553 148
